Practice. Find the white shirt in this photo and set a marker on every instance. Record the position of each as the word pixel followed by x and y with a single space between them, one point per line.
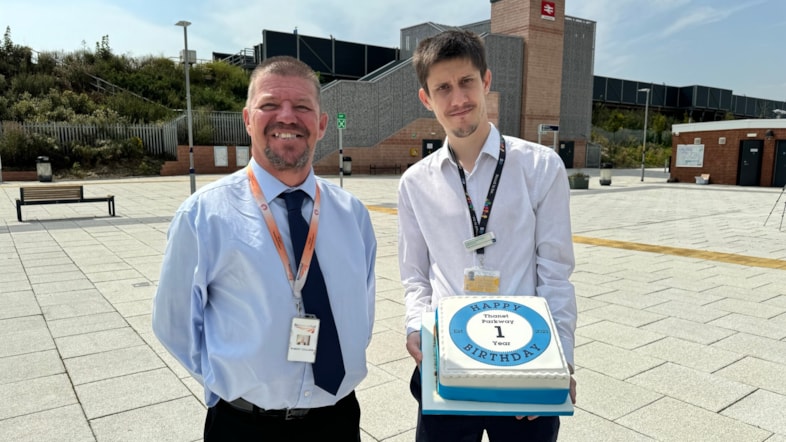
pixel 530 218
pixel 224 306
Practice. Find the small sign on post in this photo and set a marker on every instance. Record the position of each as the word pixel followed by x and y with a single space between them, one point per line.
pixel 545 128
pixel 341 123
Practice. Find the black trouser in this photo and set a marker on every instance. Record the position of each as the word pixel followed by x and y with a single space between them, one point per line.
pixel 339 422
pixel 459 428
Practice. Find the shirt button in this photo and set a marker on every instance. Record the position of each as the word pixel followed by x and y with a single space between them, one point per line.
pixel 307 393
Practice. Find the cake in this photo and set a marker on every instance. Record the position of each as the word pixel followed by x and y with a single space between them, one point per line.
pixel 499 349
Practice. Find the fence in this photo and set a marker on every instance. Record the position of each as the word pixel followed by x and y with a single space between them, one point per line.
pixel 209 128
pixel 158 139
pixel 214 128
pixel 622 136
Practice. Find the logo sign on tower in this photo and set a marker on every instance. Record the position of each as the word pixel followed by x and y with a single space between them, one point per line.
pixel 547 10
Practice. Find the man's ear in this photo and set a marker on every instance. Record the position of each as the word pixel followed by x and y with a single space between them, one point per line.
pixel 424 98
pixel 323 122
pixel 487 81
pixel 247 120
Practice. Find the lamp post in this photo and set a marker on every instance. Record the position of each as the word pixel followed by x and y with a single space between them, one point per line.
pixel 186 68
pixel 779 112
pixel 644 137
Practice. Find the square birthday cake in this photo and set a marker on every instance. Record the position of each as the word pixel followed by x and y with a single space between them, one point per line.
pixel 499 349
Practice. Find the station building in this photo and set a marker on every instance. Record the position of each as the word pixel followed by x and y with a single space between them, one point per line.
pixel 749 152
pixel 542 77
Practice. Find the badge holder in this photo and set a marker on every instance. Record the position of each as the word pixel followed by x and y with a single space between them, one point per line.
pixel 303 339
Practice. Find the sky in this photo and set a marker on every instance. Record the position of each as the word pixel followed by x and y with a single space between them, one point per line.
pixel 728 44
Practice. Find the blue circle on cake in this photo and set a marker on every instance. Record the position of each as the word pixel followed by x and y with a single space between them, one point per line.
pixel 537 344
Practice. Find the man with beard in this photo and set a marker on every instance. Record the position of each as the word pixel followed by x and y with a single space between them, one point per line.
pixel 276 336
pixel 447 199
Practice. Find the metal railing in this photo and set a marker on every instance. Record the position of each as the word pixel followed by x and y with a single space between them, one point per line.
pixel 211 128
pixel 158 139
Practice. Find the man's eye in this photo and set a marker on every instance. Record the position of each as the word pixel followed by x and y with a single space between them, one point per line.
pixel 267 106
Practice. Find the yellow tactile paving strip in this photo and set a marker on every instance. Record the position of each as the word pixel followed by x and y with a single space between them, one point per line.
pixel 388 210
pixel 731 258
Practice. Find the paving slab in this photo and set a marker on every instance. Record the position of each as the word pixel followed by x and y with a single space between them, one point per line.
pixel 669 419
pixel 693 387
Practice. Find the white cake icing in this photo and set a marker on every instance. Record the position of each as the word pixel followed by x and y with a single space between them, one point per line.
pixel 501 349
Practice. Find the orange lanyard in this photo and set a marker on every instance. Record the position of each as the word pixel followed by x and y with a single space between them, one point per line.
pixel 298 282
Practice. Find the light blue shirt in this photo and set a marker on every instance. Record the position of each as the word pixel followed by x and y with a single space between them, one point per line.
pixel 224 306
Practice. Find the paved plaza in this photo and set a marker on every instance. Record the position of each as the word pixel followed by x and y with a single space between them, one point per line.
pixel 681 335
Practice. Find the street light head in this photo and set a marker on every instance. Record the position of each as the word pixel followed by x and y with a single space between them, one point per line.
pixel 644 89
pixel 183 23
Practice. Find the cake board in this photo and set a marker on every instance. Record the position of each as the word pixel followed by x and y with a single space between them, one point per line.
pixel 433 403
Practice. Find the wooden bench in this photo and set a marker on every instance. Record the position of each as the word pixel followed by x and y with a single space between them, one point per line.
pixel 57 195
pixel 396 168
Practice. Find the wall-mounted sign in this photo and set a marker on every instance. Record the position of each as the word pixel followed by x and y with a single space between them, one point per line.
pixel 547 11
pixel 220 156
pixel 241 156
pixel 690 155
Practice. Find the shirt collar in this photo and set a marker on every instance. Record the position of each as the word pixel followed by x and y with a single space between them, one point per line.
pixel 272 187
pixel 490 147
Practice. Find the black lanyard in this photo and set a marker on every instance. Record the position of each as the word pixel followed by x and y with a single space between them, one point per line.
pixel 480 228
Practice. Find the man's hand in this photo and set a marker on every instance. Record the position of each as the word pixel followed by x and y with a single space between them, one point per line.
pixel 573 390
pixel 413 346
pixel 572 399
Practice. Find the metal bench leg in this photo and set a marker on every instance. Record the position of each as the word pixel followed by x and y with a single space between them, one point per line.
pixel 19 210
pixel 111 203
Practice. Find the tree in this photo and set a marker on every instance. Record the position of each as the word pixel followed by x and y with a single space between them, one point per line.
pixel 14 59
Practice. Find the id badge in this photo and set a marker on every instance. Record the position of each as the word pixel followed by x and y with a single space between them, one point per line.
pixel 481 280
pixel 480 241
pixel 303 340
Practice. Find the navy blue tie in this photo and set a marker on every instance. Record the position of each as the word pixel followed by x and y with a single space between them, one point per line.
pixel 329 365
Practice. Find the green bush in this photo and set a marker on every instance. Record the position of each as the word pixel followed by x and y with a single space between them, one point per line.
pixel 149 166
pixel 34 84
pixel 19 149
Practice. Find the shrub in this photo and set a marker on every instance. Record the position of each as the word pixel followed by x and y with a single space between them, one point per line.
pixel 149 166
pixel 20 149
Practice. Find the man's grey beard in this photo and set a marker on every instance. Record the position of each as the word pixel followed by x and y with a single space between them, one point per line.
pixel 279 163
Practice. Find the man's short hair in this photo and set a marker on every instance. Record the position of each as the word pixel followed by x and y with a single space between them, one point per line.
pixel 284 66
pixel 448 45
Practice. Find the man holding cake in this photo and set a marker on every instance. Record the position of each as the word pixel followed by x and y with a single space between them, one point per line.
pixel 451 242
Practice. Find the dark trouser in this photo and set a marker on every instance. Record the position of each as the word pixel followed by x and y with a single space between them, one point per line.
pixel 339 422
pixel 458 428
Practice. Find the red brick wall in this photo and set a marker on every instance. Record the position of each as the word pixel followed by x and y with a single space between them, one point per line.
pixel 579 153
pixel 721 161
pixel 204 163
pixel 395 150
pixel 20 175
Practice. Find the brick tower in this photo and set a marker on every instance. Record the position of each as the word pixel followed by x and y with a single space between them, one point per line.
pixel 542 26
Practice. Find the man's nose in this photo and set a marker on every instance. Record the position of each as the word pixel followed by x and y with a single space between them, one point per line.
pixel 458 97
pixel 286 113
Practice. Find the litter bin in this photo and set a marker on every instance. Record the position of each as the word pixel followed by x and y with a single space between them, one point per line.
pixel 347 165
pixel 605 174
pixel 43 169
